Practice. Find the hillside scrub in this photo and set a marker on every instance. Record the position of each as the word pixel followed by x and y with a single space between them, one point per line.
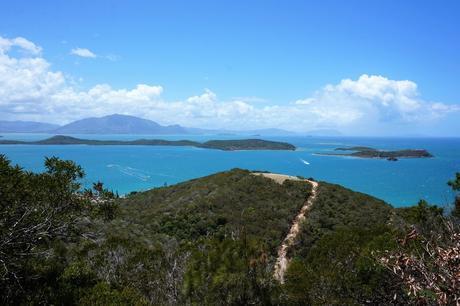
pixel 207 241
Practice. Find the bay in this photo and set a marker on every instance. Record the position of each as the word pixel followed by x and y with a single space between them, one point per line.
pixel 136 168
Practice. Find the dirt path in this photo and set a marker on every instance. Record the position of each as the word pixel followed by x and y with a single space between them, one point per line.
pixel 282 260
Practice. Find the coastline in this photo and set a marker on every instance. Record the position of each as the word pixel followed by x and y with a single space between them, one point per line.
pixel 368 157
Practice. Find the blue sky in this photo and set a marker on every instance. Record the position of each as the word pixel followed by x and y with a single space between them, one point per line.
pixel 248 57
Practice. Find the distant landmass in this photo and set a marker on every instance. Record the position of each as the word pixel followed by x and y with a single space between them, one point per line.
pixel 124 124
pixel 118 124
pixel 26 127
pixel 225 145
pixel 366 152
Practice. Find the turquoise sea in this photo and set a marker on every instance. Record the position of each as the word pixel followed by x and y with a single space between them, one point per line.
pixel 133 168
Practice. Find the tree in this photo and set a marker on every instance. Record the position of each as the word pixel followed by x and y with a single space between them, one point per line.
pixel 40 214
pixel 229 272
pixel 340 270
pixel 429 267
pixel 455 185
pixel 102 200
pixel 36 211
pixel 102 294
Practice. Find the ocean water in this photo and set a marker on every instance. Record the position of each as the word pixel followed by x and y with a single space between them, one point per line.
pixel 134 168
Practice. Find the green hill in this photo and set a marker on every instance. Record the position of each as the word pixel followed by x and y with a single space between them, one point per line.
pixel 219 205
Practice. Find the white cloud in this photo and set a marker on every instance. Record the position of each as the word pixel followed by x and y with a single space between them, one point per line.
pixel 83 52
pixel 25 81
pixel 375 99
pixel 31 90
pixel 20 42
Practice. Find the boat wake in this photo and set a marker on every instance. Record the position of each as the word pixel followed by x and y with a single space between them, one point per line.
pixel 137 173
pixel 304 161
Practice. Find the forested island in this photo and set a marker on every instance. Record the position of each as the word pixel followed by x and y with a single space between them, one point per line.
pixel 215 241
pixel 225 145
pixel 367 152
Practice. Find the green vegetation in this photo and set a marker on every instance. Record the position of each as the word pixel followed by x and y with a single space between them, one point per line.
pixel 42 217
pixel 208 241
pixel 225 145
pixel 365 152
pixel 337 258
pixel 333 262
pixel 247 144
pixel 221 205
pixel 455 185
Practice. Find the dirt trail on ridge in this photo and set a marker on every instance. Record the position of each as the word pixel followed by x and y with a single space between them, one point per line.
pixel 282 261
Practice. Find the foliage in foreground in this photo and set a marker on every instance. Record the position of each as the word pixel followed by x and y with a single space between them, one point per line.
pixel 427 259
pixel 209 241
pixel 428 266
pixel 41 217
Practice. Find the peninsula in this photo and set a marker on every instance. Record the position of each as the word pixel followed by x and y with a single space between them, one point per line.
pixel 366 152
pixel 225 145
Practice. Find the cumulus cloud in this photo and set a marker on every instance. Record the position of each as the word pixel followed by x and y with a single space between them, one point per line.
pixel 27 80
pixel 83 52
pixel 31 90
pixel 374 100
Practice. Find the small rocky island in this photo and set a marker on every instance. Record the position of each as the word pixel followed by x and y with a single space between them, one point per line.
pixel 225 145
pixel 367 152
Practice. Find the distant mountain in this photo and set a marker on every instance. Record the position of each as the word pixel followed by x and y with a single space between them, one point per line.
pixel 124 124
pixel 26 127
pixel 118 124
pixel 324 132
